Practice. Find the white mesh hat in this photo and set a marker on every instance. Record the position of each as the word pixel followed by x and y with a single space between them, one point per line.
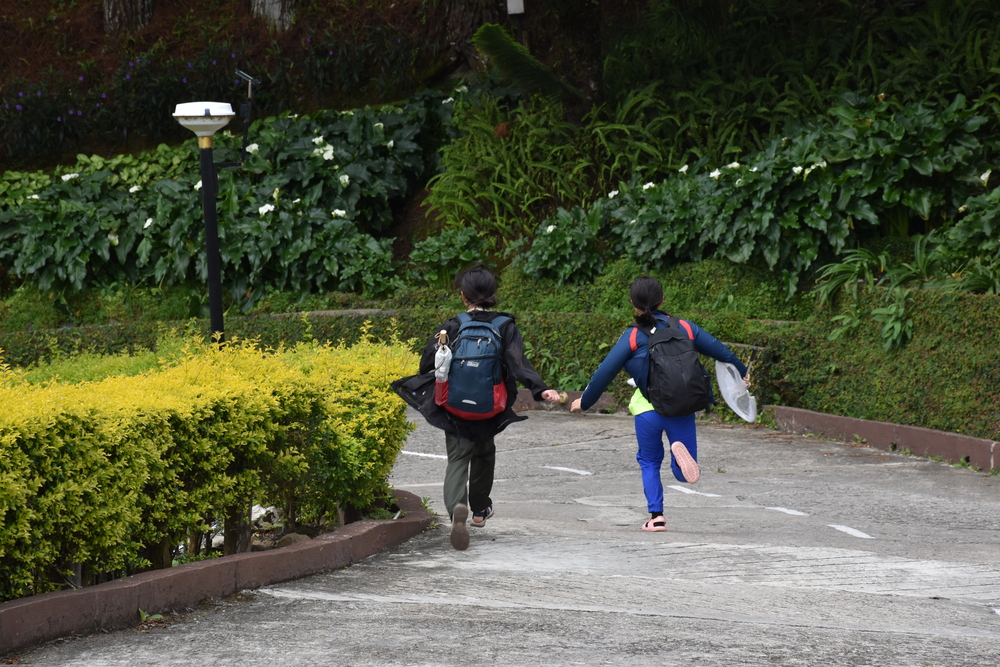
pixel 734 391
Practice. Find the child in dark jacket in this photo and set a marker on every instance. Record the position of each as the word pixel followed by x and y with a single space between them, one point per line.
pixel 631 352
pixel 468 478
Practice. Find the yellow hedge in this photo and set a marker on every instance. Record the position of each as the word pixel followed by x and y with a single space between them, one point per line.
pixel 94 473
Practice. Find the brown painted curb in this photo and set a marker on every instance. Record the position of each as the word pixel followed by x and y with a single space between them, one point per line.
pixel 952 447
pixel 525 401
pixel 116 604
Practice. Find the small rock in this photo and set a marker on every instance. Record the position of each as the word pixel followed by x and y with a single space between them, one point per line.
pixel 290 539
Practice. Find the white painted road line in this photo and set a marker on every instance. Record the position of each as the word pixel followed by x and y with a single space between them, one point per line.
pixel 787 511
pixel 851 531
pixel 432 456
pixel 578 472
pixel 684 489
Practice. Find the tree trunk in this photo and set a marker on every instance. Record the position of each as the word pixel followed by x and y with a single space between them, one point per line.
pixel 464 19
pixel 124 17
pixel 279 14
pixel 237 530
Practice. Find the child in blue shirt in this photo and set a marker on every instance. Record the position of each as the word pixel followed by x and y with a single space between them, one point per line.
pixel 631 352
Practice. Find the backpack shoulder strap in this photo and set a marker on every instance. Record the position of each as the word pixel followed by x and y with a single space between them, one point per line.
pixel 499 322
pixel 464 318
pixel 687 327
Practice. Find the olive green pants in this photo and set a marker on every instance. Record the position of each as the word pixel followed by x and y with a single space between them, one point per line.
pixel 469 477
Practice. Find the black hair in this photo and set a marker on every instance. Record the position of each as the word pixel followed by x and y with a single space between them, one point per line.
pixel 479 286
pixel 646 294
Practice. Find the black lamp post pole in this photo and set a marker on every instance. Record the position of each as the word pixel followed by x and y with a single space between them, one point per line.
pixel 213 262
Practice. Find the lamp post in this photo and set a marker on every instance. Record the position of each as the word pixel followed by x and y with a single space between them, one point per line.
pixel 205 119
pixel 515 10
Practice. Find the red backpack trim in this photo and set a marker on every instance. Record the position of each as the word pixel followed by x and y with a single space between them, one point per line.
pixel 632 341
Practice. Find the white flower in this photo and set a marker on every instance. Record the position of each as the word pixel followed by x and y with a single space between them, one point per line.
pixel 33 197
pixel 683 169
pixel 715 174
pixel 297 200
pixel 550 229
pixel 253 148
pixel 462 89
pixel 344 179
pixel 448 101
pixel 739 182
pixel 733 165
pixel 963 208
pixel 319 141
pixel 611 195
pixel 807 170
pixel 339 213
pixel 327 152
pixel 69 177
pixel 631 222
pixel 134 189
pixel 113 237
pixel 821 164
pixel 648 186
pixel 149 221
pixel 197 186
pixel 378 126
pixel 266 208
pixel 797 170
pixel 293 116
pixel 275 193
pixel 985 178
pixel 390 144
pixel 348 113
pixel 753 168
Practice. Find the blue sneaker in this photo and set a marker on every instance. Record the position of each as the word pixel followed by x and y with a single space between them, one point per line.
pixel 479 518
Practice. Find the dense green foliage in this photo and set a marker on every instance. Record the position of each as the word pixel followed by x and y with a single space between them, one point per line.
pixel 305 214
pixel 872 168
pixel 734 79
pixel 514 164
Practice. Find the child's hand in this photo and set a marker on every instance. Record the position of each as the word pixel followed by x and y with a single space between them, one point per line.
pixel 551 395
pixel 577 405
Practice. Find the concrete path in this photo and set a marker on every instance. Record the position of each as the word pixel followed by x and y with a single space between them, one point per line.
pixel 789 551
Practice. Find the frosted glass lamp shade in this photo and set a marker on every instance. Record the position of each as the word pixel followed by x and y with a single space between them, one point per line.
pixel 204 118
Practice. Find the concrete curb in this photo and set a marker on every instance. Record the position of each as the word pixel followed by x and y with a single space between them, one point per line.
pixel 952 447
pixel 116 604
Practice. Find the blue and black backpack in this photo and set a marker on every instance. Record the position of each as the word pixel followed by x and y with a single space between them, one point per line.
pixel 475 388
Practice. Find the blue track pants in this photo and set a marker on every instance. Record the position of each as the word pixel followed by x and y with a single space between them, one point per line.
pixel 649 428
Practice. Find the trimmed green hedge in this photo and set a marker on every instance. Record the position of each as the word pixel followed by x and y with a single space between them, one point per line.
pixel 947 377
pixel 112 474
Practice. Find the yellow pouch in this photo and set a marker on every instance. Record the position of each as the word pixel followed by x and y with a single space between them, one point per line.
pixel 639 404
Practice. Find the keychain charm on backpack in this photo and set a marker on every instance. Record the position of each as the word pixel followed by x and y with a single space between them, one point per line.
pixel 474 388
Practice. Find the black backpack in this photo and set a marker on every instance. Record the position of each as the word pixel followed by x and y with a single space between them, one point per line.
pixel 677 384
pixel 475 388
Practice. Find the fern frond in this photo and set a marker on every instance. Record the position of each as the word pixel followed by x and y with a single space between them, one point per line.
pixel 523 69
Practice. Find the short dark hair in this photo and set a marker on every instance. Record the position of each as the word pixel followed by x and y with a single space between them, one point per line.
pixel 646 293
pixel 479 286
